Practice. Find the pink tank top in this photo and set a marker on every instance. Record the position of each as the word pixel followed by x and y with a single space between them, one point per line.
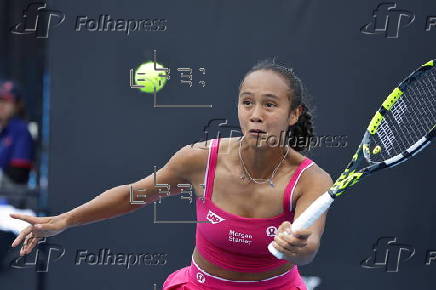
pixel 237 243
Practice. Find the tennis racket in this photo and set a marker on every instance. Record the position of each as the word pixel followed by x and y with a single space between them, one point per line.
pixel 403 125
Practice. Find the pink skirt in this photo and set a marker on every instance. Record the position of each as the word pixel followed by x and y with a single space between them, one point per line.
pixel 194 278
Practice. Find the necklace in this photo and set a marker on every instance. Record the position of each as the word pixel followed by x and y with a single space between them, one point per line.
pixel 269 180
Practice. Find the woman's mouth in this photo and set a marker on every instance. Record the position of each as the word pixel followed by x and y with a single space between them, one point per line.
pixel 256 132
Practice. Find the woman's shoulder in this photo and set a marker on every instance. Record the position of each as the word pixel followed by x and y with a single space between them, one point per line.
pixel 315 177
pixel 197 149
pixel 196 155
pixel 192 157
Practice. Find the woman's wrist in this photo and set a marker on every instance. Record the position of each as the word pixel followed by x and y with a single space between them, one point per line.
pixel 305 255
pixel 66 217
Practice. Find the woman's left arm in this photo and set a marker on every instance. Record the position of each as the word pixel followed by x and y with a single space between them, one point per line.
pixel 301 247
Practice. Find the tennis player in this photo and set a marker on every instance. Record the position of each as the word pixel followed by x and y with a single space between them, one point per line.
pixel 255 186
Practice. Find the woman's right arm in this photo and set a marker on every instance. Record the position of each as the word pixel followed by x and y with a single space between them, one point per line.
pixel 115 201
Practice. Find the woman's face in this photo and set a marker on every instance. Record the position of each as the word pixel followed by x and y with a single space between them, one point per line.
pixel 7 109
pixel 264 104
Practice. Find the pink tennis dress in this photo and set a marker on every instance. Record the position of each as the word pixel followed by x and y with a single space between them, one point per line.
pixel 237 243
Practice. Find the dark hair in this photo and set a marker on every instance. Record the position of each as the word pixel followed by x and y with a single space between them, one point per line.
pixel 303 129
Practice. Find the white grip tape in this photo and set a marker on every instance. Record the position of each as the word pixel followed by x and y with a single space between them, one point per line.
pixel 306 219
pixel 313 212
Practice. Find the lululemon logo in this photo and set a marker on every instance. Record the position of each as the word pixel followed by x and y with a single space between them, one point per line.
pixel 213 217
pixel 201 278
pixel 271 231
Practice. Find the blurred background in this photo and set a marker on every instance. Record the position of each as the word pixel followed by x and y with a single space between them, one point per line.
pixel 74 124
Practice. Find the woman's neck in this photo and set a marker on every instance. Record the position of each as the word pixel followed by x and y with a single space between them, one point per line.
pixel 259 161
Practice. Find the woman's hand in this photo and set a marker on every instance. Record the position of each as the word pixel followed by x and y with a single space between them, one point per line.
pixel 292 244
pixel 40 227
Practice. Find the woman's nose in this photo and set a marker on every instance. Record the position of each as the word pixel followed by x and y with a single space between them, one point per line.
pixel 256 114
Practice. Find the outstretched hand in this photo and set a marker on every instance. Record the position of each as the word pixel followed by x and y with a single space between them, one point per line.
pixel 40 227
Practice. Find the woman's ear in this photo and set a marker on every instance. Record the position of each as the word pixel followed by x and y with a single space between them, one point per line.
pixel 295 115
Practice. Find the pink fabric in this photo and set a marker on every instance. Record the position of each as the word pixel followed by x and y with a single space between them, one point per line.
pixel 194 278
pixel 237 243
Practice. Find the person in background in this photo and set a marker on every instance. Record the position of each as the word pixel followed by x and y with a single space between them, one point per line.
pixel 16 156
pixel 16 143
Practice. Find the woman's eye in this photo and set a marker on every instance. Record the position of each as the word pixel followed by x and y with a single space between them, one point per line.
pixel 246 102
pixel 270 105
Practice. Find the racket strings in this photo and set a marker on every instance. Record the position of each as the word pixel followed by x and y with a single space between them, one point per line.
pixel 425 96
pixel 410 118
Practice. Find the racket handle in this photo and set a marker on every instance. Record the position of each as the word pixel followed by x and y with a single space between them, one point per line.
pixel 313 212
pixel 306 219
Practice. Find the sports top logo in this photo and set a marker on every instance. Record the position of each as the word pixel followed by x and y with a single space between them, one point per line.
pixel 213 217
pixel 271 231
pixel 387 20
pixel 37 20
pixel 200 277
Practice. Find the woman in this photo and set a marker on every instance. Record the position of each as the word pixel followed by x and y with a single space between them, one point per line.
pixel 253 190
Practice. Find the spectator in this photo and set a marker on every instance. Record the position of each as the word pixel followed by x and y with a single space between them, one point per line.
pixel 16 143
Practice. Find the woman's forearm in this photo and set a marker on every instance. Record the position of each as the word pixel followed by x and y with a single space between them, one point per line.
pixel 109 204
pixel 305 255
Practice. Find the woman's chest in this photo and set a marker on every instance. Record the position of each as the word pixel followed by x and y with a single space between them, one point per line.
pixel 245 198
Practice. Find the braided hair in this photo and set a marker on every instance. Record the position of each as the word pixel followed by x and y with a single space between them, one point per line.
pixel 302 131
